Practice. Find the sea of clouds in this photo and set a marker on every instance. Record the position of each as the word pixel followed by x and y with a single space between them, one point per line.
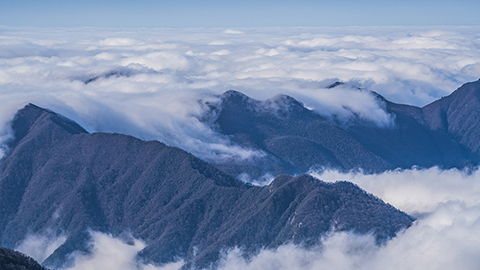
pixel 147 83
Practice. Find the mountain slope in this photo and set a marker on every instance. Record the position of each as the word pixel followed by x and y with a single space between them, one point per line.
pixel 295 139
pixel 459 115
pixel 59 178
pixel 291 133
pixel 410 142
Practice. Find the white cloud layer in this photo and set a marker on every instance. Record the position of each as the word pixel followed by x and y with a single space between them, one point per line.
pixel 146 82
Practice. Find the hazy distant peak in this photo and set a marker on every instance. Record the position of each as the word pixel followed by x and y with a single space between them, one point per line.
pixel 335 84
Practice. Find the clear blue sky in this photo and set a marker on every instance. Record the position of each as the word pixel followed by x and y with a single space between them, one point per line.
pixel 249 13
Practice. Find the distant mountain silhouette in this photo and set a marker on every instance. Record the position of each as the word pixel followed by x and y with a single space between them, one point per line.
pixel 445 133
pixel 14 260
pixel 57 177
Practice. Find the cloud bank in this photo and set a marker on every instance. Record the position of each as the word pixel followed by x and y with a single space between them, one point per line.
pixel 147 82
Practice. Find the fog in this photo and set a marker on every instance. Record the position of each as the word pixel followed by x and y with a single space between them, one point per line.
pixel 110 253
pixel 41 245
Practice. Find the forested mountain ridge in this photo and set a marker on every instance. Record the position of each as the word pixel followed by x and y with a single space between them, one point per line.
pixel 444 133
pixel 57 177
pixel 14 260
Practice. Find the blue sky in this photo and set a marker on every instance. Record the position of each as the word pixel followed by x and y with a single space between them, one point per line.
pixel 280 13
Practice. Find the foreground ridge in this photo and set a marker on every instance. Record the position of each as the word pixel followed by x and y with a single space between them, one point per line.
pixel 14 260
pixel 57 177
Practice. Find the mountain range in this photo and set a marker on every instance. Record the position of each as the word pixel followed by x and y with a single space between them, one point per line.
pixel 58 179
pixel 295 139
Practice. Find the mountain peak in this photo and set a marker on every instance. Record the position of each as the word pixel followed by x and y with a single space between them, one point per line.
pixel 285 100
pixel 33 118
pixel 233 94
pixel 238 100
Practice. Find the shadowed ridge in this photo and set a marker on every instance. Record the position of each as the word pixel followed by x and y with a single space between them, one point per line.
pixel 411 141
pixel 296 139
pixel 459 115
pixel 344 202
pixel 38 133
pixel 14 260
pixel 460 102
pixel 397 108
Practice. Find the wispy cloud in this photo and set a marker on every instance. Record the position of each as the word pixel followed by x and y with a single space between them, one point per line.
pixel 111 253
pixel 444 236
pixel 41 245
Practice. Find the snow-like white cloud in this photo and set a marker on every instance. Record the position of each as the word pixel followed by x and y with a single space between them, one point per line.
pixel 146 82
